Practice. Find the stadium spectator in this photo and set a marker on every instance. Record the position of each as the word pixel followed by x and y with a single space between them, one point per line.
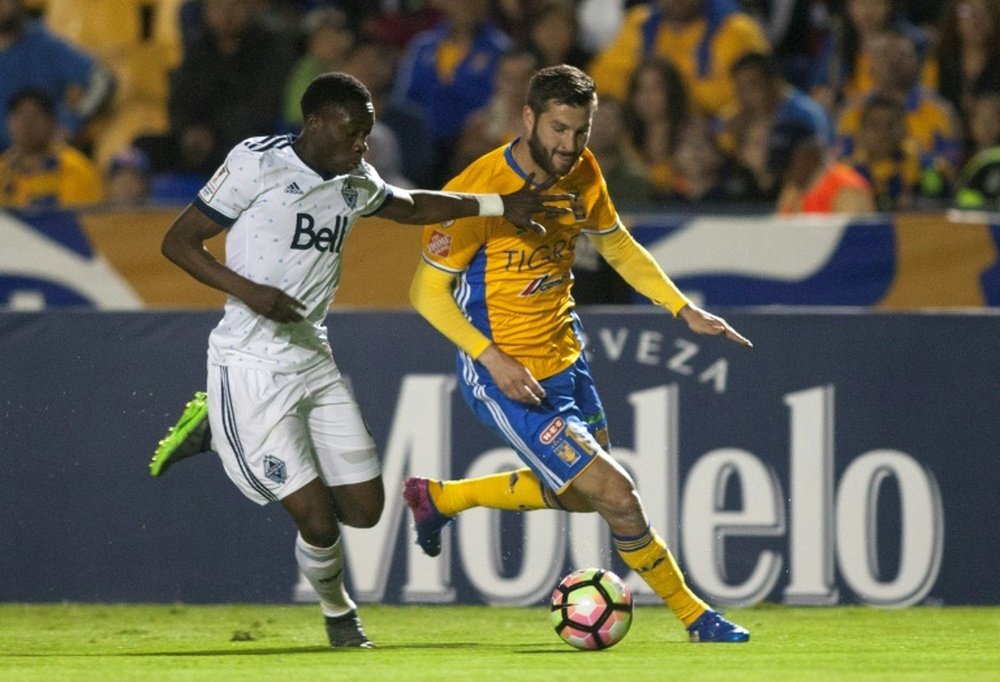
pixel 127 179
pixel 624 174
pixel 763 94
pixel 984 121
pixel 329 42
pixel 703 173
pixel 847 73
pixel 750 158
pixel 38 170
pixel 900 174
pixel 656 108
pixel 810 181
pixel 979 183
pixel 499 121
pixel 702 38
pixel 800 33
pixel 523 370
pixel 374 65
pixel 228 87
pixel 930 120
pixel 553 34
pixel 31 57
pixel 448 72
pixel 969 54
pixel 288 428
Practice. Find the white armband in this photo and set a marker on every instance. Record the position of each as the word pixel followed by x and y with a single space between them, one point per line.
pixel 489 204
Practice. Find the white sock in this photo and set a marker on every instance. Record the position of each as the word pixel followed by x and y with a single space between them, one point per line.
pixel 323 567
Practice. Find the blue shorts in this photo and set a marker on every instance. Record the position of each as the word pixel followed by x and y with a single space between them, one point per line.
pixel 557 439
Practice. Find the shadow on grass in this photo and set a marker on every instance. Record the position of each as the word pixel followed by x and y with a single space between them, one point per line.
pixel 272 651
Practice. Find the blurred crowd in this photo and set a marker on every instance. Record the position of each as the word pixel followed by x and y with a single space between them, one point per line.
pixel 785 105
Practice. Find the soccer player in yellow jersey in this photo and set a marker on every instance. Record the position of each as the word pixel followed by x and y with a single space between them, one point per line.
pixel 502 295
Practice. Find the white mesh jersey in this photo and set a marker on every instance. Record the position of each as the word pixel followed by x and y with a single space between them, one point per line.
pixel 287 227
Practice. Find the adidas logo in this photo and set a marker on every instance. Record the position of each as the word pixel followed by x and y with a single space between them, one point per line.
pixel 293 189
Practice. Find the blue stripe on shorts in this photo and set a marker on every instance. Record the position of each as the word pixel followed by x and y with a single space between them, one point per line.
pixel 555 439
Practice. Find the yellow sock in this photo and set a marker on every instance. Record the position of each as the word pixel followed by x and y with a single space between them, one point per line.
pixel 513 490
pixel 648 555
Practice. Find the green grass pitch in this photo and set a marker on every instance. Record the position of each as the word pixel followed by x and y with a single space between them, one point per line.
pixel 254 642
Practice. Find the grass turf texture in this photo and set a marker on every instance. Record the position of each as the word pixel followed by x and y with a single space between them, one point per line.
pixel 253 642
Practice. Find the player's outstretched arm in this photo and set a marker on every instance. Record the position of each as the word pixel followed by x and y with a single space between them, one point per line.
pixel 703 322
pixel 423 207
pixel 184 245
pixel 635 264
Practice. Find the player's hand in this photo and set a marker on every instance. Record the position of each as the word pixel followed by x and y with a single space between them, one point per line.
pixel 704 322
pixel 273 303
pixel 511 377
pixel 519 206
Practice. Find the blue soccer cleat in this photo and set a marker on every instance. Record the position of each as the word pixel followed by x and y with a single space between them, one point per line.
pixel 427 520
pixel 712 627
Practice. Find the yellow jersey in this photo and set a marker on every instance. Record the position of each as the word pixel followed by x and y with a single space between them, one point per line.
pixel 512 284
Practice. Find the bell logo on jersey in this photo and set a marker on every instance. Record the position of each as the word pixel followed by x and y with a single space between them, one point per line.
pixel 439 244
pixel 323 239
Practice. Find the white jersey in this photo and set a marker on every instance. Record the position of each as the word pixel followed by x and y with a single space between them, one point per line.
pixel 287 227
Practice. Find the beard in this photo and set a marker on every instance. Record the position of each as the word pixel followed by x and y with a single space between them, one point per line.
pixel 543 157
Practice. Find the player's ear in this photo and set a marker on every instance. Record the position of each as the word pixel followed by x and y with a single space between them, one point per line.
pixel 528 119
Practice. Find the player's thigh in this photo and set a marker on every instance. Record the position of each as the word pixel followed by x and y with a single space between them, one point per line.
pixel 344 449
pixel 603 486
pixel 258 433
pixel 551 438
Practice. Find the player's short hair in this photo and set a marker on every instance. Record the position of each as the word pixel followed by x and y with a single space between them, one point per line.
pixel 562 84
pixel 333 89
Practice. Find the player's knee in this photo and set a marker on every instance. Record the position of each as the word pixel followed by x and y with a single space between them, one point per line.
pixel 320 536
pixel 362 518
pixel 619 500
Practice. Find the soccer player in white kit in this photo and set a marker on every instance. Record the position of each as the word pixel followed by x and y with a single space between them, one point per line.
pixel 284 424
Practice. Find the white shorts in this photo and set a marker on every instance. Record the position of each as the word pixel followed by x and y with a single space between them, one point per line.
pixel 276 432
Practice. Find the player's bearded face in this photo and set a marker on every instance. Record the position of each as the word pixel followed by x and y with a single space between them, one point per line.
pixel 558 137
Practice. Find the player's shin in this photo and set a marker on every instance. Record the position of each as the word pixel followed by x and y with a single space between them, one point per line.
pixel 648 555
pixel 323 567
pixel 518 490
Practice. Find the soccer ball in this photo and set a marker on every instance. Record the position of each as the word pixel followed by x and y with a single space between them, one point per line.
pixel 591 609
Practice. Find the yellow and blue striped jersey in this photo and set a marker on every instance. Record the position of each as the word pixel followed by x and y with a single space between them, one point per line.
pixel 514 284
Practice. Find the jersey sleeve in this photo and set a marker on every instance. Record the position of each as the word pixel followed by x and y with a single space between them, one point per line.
pixel 373 190
pixel 602 216
pixel 232 188
pixel 451 246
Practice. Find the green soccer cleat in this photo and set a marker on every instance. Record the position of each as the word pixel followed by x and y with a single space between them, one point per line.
pixel 188 437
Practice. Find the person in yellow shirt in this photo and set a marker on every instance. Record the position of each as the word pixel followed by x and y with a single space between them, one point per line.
pixel 702 38
pixel 37 170
pixel 502 294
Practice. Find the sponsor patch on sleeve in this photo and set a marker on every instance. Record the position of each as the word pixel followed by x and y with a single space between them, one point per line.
pixel 439 244
pixel 554 428
pixel 214 183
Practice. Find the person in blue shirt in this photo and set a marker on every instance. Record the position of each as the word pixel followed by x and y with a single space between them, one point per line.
pixel 33 58
pixel 448 71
